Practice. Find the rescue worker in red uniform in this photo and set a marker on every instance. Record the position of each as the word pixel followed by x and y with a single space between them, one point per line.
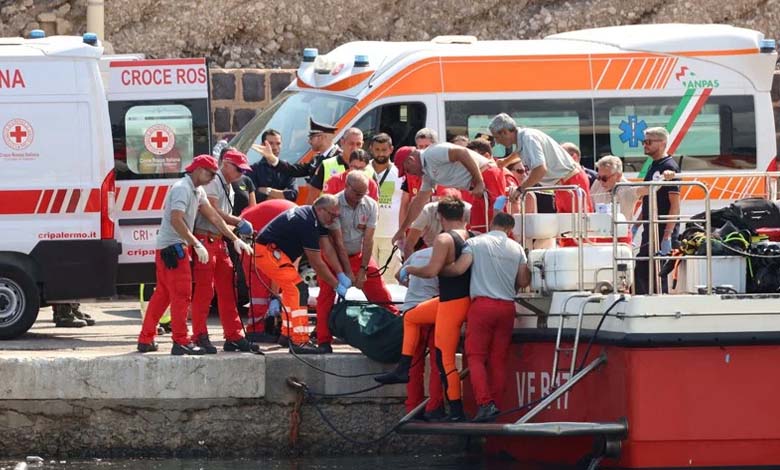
pixel 218 273
pixel 453 166
pixel 262 303
pixel 447 312
pixel 184 201
pixel 282 242
pixel 353 235
pixel 498 269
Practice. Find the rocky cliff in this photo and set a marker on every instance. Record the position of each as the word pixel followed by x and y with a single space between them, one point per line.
pixel 271 33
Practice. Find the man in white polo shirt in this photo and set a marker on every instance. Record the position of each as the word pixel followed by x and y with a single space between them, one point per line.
pixel 498 270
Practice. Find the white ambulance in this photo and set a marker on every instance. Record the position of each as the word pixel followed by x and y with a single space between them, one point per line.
pixel 160 120
pixel 709 85
pixel 57 188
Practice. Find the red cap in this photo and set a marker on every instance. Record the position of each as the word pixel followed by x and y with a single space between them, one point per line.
pixel 238 159
pixel 202 161
pixel 400 157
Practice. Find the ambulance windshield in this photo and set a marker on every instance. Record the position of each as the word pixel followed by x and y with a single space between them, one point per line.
pixel 289 114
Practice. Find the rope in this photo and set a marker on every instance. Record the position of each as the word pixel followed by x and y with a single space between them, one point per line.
pixel 303 391
pixel 347 438
pixel 383 269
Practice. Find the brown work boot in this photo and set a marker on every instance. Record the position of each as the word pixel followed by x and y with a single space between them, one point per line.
pixel 81 315
pixel 64 318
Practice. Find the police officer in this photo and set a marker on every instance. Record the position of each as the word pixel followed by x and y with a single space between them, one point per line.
pixel 285 239
pixel 218 271
pixel 330 166
pixel 320 141
pixel 184 201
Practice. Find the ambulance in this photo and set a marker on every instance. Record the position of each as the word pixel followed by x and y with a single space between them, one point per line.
pixel 57 189
pixel 709 85
pixel 160 120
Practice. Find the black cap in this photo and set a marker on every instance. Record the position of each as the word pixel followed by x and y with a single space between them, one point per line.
pixel 317 128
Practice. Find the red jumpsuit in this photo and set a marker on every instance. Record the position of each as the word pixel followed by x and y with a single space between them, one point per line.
pixel 174 288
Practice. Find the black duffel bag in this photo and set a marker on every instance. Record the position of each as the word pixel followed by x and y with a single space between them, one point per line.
pixel 372 329
pixel 745 214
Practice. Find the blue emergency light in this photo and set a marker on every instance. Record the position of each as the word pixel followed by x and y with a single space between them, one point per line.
pixel 767 45
pixel 361 60
pixel 90 38
pixel 37 34
pixel 309 54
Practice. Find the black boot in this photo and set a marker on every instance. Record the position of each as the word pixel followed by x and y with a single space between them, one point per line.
pixel 486 413
pixel 456 413
pixel 399 375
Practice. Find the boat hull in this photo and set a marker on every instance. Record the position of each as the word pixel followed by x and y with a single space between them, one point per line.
pixel 686 406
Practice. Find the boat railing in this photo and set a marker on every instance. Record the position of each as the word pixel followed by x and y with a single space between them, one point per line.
pixel 579 223
pixel 653 256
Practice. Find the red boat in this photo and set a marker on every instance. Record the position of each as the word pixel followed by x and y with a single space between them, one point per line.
pixel 636 381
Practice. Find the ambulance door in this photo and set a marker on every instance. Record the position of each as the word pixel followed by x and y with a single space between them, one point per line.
pixel 159 113
pixel 400 117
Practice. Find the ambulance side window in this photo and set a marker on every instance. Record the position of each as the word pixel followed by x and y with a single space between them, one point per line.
pixel 720 135
pixel 157 139
pixel 400 120
pixel 563 120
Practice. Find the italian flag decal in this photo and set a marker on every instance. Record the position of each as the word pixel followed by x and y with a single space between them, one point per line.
pixel 682 119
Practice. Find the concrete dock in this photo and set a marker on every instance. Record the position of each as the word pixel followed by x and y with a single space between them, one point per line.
pixel 86 392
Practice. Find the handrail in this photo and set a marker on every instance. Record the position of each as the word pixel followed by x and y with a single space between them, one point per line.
pixel 653 187
pixel 771 178
pixel 578 218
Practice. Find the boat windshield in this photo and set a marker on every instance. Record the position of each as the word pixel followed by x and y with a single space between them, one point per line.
pixel 289 114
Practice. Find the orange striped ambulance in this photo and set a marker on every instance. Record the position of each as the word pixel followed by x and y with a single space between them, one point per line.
pixel 709 85
pixel 57 187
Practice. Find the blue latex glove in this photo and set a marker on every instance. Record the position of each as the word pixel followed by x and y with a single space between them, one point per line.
pixel 499 203
pixel 666 246
pixel 634 230
pixel 403 275
pixel 341 290
pixel 344 280
pixel 274 308
pixel 244 227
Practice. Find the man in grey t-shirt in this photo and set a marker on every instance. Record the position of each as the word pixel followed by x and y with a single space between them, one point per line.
pixel 184 201
pixel 548 162
pixel 498 269
pixel 452 166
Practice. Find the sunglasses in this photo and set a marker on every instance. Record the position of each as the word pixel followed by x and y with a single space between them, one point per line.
pixel 603 178
pixel 649 141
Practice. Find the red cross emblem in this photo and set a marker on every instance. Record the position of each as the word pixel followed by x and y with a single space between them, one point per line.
pixel 18 134
pixel 159 139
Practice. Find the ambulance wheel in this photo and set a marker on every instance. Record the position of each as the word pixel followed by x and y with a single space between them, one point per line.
pixel 19 302
pixel 307 273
